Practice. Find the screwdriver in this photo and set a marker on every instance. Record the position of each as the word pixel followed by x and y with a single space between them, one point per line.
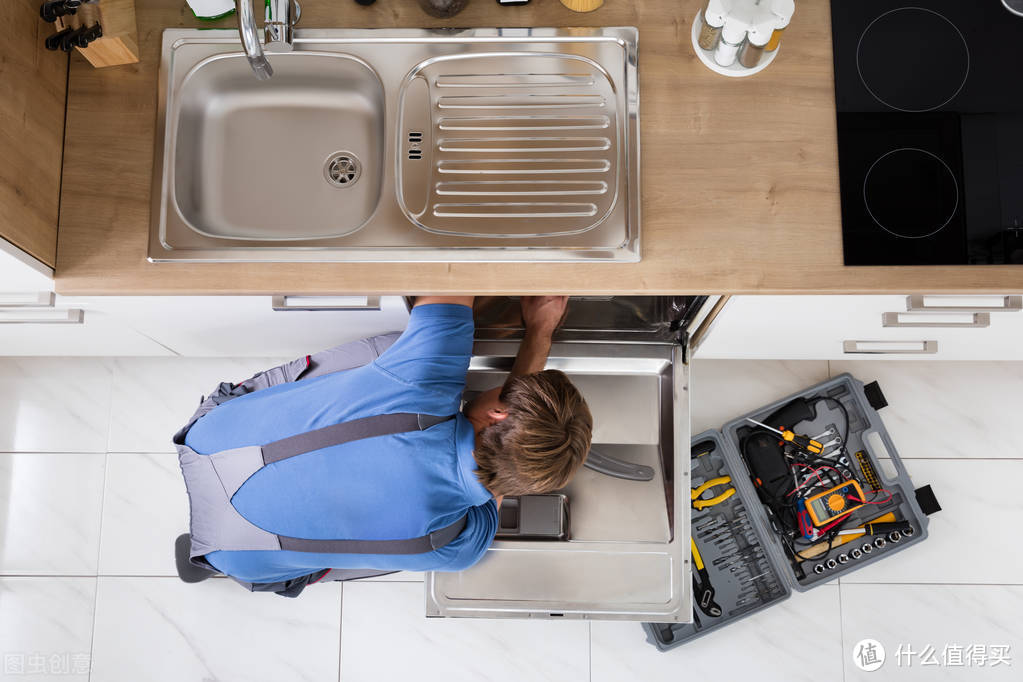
pixel 801 442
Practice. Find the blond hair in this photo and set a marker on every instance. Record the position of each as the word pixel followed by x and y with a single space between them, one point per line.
pixel 542 442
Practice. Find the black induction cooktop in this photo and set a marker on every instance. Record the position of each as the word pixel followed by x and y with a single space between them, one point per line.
pixel 930 130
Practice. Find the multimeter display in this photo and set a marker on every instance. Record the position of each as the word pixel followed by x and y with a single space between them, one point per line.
pixel 830 504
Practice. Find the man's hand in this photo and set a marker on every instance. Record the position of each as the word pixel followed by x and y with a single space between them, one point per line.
pixel 543 314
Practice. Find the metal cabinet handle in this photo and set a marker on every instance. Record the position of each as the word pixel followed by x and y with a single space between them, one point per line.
pixel 42 316
pixel 27 299
pixel 336 303
pixel 918 303
pixel 959 320
pixel 890 347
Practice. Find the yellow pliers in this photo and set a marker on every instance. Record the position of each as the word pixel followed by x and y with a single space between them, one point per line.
pixel 699 503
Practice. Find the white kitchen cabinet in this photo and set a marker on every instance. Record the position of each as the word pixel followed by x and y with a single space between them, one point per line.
pixel 248 326
pixel 846 327
pixel 96 334
pixel 33 321
pixel 20 272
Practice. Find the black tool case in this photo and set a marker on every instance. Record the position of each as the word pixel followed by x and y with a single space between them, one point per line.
pixel 749 563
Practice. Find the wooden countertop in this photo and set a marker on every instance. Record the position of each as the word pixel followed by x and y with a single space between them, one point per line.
pixel 739 176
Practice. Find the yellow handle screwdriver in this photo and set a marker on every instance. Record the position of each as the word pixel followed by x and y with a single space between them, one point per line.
pixel 801 442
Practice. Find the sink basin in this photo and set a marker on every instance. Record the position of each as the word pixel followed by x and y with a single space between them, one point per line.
pixel 399 145
pixel 301 160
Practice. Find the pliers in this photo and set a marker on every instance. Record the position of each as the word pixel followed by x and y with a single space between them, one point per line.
pixel 702 589
pixel 697 493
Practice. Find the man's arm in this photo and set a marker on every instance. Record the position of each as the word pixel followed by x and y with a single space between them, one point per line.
pixel 542 315
pixel 455 300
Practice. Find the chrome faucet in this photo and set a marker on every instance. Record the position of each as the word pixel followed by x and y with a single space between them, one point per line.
pixel 281 15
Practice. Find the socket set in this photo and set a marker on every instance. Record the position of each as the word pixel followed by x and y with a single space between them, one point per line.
pixel 753 545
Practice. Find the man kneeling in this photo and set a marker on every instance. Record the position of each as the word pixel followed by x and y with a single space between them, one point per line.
pixel 361 461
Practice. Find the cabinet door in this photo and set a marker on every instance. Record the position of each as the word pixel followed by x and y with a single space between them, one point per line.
pixel 249 326
pixel 35 322
pixel 876 327
pixel 63 329
pixel 21 272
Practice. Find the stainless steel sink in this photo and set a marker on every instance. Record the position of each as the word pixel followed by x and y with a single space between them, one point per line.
pixel 399 145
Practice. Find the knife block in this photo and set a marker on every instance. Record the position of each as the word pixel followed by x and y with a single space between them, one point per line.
pixel 120 41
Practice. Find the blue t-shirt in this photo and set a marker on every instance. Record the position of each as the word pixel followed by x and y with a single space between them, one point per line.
pixel 390 487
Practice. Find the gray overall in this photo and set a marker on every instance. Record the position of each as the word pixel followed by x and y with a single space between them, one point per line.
pixel 212 480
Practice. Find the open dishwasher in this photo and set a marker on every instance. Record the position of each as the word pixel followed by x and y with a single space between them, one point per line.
pixel 625 552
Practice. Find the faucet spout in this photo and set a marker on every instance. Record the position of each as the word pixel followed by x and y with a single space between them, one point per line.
pixel 278 34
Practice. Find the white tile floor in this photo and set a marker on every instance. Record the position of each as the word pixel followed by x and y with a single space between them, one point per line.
pixel 91 499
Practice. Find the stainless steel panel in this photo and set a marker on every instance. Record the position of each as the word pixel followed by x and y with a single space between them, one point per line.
pixel 239 165
pixel 510 138
pixel 628 554
pixel 656 319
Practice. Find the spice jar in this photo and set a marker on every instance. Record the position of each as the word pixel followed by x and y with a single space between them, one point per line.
pixel 753 49
pixel 783 10
pixel 712 19
pixel 732 35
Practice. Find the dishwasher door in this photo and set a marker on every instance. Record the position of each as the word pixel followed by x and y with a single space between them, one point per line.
pixel 628 553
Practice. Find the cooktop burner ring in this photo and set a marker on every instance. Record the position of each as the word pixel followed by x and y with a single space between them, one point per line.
pixel 948 54
pixel 892 231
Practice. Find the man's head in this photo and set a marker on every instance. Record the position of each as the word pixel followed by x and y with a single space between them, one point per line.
pixel 532 434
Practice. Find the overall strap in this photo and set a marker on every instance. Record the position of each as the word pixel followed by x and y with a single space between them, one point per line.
pixel 212 480
pixel 420 545
pixel 345 432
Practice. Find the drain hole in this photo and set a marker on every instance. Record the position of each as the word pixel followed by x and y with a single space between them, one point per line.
pixel 415 143
pixel 342 169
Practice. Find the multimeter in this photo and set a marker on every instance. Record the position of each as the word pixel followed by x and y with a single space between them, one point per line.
pixel 834 502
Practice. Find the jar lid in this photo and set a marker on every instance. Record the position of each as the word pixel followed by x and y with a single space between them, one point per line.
pixel 783 9
pixel 734 31
pixel 714 15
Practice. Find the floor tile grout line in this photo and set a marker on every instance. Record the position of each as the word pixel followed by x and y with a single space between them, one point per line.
pixel 848 580
pixel 85 452
pixel 102 509
pixel 99 540
pixel 92 638
pixel 171 454
pixel 110 404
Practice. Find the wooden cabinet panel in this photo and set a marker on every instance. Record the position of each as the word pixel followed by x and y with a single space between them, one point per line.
pixel 33 95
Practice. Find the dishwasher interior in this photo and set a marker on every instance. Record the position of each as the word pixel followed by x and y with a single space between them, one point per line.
pixel 626 552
